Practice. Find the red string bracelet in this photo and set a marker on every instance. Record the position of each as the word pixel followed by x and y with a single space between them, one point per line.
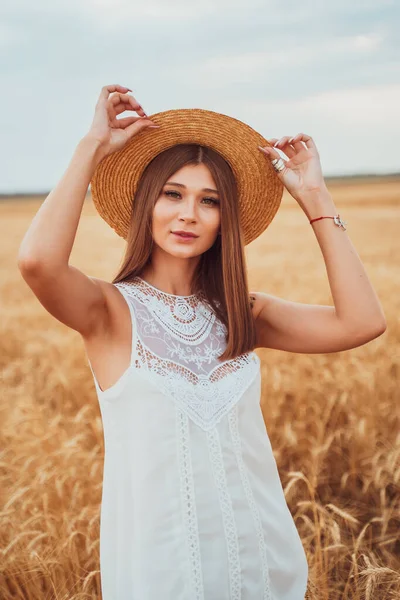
pixel 336 219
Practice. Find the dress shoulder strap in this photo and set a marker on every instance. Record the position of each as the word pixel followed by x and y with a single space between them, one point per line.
pixel 123 288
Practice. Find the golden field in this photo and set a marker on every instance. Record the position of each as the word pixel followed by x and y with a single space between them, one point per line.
pixel 333 419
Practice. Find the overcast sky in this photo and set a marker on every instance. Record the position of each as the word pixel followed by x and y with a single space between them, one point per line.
pixel 330 68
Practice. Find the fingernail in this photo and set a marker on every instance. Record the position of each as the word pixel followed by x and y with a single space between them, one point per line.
pixel 153 126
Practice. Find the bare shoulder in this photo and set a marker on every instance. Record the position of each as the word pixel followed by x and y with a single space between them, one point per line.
pixel 255 303
pixel 107 288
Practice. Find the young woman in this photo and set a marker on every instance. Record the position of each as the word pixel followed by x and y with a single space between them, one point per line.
pixel 193 507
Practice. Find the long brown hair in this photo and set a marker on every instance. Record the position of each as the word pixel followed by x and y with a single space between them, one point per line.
pixel 221 273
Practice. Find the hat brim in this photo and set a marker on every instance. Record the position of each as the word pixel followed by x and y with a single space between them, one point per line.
pixel 260 190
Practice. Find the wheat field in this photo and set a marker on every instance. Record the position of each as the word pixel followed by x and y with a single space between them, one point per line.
pixel 333 419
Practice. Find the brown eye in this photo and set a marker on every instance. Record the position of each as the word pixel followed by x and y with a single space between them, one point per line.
pixel 213 201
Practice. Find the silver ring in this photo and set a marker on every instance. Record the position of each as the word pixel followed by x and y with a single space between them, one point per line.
pixel 278 164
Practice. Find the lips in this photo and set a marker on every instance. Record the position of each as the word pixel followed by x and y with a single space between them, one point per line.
pixel 184 234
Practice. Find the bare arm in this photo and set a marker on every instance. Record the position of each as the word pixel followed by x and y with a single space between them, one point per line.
pixel 68 294
pixel 50 237
pixel 356 317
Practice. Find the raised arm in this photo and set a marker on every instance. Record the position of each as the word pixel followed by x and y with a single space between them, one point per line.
pixel 68 294
pixel 357 316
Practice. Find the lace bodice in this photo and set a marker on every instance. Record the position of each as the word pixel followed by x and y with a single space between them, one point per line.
pixel 178 341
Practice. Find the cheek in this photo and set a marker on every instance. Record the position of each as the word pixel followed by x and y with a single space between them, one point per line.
pixel 213 221
pixel 162 213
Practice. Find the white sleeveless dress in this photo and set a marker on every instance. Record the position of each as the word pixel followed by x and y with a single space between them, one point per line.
pixel 192 504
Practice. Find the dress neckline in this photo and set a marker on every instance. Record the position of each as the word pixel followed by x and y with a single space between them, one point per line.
pixel 166 293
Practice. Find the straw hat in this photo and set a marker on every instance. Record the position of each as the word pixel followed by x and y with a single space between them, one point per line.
pixel 115 179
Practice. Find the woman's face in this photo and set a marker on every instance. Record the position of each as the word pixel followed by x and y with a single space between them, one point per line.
pixel 187 207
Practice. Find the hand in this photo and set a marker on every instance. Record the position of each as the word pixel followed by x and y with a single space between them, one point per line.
pixel 112 133
pixel 302 175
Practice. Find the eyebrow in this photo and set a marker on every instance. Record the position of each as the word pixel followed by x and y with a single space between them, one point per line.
pixel 184 186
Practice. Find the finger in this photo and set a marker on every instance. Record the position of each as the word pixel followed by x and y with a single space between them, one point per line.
pixel 117 109
pixel 140 124
pixel 297 140
pixel 129 101
pixel 106 90
pixel 114 110
pixel 271 153
pixel 123 123
pixel 284 145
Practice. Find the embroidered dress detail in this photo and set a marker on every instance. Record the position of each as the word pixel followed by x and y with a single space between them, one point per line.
pixel 234 429
pixel 189 505
pixel 178 343
pixel 192 504
pixel 227 512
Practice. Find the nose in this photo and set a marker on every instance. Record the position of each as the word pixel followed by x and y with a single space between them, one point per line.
pixel 188 211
